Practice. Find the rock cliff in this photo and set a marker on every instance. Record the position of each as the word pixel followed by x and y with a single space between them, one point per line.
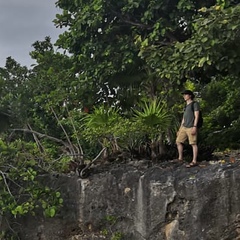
pixel 137 201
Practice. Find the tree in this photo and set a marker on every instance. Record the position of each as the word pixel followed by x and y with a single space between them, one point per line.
pixel 207 53
pixel 103 38
pixel 167 42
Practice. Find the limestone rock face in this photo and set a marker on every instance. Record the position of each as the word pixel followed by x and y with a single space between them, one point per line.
pixel 142 202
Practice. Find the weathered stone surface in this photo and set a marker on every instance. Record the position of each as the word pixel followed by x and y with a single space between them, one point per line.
pixel 162 202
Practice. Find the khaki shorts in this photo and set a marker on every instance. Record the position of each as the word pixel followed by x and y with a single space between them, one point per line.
pixel 186 134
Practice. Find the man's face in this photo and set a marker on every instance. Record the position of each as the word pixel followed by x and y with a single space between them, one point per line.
pixel 186 97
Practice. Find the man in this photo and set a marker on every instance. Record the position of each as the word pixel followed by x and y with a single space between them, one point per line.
pixel 188 128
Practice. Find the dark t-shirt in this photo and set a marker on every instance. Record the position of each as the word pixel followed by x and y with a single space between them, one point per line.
pixel 188 114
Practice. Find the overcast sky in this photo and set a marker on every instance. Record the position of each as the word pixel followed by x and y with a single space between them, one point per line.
pixel 22 23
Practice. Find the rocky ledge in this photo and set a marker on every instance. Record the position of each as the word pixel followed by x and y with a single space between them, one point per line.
pixel 145 201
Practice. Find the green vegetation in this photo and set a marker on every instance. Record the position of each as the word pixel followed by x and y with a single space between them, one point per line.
pixel 109 222
pixel 116 91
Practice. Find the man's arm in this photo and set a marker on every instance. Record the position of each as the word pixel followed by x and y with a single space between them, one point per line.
pixel 182 122
pixel 196 117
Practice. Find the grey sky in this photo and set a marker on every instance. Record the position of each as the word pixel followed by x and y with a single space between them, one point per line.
pixel 22 23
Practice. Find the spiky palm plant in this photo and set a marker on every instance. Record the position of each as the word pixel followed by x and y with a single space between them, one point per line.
pixel 155 119
pixel 99 124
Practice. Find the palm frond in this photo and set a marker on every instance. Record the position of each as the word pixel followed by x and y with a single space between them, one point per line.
pixel 154 113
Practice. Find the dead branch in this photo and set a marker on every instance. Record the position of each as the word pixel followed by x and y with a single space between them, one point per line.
pixel 71 148
pixel 80 150
pixel 5 181
pixel 40 146
pixel 81 174
pixel 41 135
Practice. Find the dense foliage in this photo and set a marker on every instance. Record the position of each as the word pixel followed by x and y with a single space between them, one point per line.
pixel 114 91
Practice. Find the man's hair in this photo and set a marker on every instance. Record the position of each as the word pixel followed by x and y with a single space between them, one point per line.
pixel 189 92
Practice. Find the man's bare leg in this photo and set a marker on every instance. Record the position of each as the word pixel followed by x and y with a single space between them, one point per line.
pixel 180 151
pixel 195 153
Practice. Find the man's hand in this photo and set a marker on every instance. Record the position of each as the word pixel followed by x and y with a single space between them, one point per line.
pixel 194 130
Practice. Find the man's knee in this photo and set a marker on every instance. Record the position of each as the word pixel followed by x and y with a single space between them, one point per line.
pixel 194 144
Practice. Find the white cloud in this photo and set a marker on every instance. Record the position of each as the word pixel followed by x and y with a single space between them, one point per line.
pixel 22 23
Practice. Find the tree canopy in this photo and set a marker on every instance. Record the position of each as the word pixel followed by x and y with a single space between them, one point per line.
pixel 114 87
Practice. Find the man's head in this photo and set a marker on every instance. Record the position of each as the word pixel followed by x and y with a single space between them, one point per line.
pixel 188 92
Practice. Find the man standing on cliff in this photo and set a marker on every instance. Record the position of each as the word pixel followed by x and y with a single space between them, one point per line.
pixel 188 128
